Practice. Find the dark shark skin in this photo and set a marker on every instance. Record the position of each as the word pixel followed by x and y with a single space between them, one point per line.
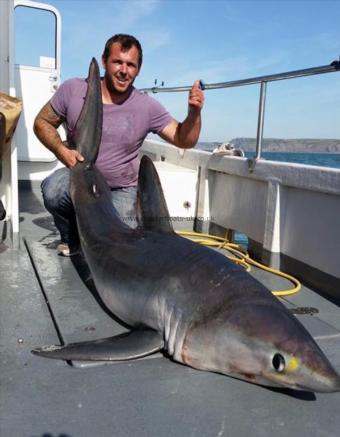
pixel 176 295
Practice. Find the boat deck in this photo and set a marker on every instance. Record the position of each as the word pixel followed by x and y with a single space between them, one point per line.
pixel 45 299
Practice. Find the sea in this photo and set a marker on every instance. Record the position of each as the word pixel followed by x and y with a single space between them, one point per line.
pixel 319 159
pixel 324 159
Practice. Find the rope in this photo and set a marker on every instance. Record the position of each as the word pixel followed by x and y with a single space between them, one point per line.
pixel 241 258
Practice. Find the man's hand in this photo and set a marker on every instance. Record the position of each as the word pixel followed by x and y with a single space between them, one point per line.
pixel 68 157
pixel 185 135
pixel 196 97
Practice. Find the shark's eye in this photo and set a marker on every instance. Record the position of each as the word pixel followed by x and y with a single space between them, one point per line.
pixel 279 363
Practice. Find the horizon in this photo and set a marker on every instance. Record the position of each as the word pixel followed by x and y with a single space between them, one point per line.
pixel 282 138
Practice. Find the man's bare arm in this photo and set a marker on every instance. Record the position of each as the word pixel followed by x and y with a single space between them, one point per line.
pixel 185 135
pixel 45 128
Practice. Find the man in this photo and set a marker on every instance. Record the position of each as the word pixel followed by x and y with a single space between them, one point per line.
pixel 128 116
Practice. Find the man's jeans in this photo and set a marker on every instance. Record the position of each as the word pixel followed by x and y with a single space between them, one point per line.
pixel 56 194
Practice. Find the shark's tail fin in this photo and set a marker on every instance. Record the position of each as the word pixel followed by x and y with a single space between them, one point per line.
pixel 88 130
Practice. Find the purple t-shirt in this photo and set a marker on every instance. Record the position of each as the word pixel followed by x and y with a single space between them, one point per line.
pixel 125 127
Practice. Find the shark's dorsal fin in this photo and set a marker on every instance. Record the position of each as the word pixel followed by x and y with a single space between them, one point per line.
pixel 152 212
pixel 88 130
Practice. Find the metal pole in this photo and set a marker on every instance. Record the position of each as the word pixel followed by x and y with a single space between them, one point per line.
pixel 333 67
pixel 260 120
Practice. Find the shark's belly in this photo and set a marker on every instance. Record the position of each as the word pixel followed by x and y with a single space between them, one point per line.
pixel 124 293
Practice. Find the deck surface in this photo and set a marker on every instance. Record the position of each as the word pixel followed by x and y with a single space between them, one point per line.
pixel 150 397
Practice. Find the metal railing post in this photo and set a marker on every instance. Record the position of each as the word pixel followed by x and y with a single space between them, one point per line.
pixel 260 120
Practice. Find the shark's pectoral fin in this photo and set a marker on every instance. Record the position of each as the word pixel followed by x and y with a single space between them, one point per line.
pixel 128 346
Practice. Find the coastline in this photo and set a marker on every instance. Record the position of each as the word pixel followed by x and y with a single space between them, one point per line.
pixel 280 145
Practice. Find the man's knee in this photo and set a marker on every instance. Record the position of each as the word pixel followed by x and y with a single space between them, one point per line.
pixel 55 190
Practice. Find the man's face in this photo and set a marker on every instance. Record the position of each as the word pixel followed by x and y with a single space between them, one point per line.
pixel 121 68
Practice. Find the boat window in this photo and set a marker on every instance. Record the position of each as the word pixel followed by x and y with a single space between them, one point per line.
pixel 35 37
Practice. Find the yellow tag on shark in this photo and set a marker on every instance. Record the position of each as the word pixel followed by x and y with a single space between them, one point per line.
pixel 293 364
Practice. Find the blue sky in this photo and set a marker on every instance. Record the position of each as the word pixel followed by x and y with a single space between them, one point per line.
pixel 219 40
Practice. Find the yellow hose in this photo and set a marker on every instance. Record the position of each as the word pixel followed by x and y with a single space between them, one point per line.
pixel 242 257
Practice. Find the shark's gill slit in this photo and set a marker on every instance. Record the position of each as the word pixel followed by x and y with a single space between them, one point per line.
pixel 279 363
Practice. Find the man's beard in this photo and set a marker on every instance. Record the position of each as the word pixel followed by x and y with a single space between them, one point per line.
pixel 110 86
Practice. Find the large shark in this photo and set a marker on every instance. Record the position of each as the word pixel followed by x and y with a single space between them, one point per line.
pixel 177 296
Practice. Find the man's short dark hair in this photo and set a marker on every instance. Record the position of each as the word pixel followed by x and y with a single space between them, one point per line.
pixel 126 41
